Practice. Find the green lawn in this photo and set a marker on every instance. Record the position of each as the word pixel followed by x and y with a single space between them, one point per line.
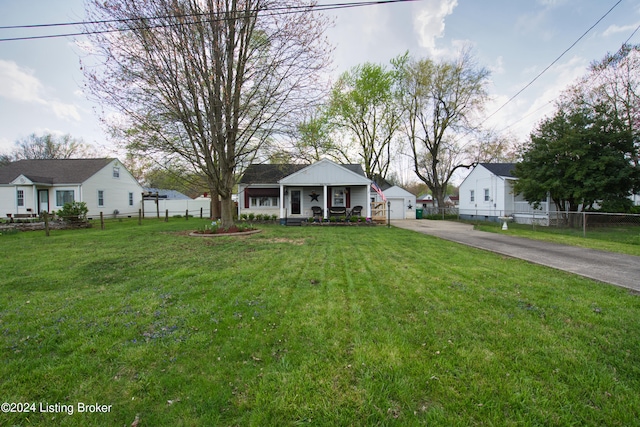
pixel 324 326
pixel 621 239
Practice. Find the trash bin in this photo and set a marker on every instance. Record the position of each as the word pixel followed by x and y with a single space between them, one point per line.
pixel 418 213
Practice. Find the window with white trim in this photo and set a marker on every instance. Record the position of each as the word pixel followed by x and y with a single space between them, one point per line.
pixel 64 196
pixel 101 198
pixel 116 172
pixel 486 195
pixel 264 202
pixel 473 195
pixel 338 197
pixel 20 196
pixel 130 199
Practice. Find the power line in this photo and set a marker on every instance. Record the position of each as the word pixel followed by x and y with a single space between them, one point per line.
pixel 268 12
pixel 550 65
pixel 589 78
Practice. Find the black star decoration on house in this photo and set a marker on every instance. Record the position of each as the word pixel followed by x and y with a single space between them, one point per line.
pixel 314 196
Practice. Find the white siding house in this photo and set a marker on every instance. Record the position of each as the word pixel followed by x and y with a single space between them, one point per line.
pixel 295 191
pixel 29 187
pixel 487 194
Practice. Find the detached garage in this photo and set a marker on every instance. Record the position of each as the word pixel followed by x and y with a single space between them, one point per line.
pixel 403 203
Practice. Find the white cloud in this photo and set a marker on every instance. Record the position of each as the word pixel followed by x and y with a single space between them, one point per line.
pixel 498 66
pixel 522 114
pixel 615 29
pixel 429 22
pixel 551 3
pixel 18 84
pixel 21 85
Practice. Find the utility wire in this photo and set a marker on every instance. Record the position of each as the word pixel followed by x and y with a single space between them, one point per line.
pixel 550 65
pixel 267 12
pixel 589 78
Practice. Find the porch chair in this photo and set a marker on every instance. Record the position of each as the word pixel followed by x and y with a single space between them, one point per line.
pixel 356 211
pixel 317 212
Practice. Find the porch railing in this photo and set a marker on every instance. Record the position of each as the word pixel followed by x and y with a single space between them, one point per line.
pixel 378 211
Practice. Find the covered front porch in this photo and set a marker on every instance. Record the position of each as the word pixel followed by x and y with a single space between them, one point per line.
pixel 314 201
pixel 325 189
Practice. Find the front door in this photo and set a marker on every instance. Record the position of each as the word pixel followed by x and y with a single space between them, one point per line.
pixel 43 201
pixel 296 202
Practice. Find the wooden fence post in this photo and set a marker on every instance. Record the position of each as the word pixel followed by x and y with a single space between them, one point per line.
pixel 101 221
pixel 166 215
pixel 201 213
pixel 186 215
pixel 139 216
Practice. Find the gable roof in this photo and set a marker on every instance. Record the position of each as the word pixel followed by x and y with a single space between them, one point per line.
pixel 268 174
pixel 53 171
pixel 381 182
pixel 272 173
pixel 500 169
pixel 328 172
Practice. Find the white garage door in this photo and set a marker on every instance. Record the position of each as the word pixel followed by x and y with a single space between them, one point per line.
pixel 397 208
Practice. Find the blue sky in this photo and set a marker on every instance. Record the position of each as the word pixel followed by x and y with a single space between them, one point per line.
pixel 41 82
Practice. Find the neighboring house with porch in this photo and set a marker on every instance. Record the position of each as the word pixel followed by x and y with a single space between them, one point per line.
pixel 29 187
pixel 323 189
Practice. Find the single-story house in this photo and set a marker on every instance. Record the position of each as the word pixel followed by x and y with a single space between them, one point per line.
pixel 487 194
pixel 425 201
pixel 29 187
pixel 452 201
pixel 322 189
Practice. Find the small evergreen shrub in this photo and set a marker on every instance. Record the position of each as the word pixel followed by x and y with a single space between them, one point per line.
pixel 74 211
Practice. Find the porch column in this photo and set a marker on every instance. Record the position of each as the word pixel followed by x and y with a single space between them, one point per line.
pixel 36 200
pixel 369 201
pixel 324 201
pixel 281 201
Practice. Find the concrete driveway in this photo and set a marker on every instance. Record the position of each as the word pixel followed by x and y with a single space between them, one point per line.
pixel 616 269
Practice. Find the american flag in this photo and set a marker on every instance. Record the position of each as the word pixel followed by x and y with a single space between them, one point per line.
pixel 379 191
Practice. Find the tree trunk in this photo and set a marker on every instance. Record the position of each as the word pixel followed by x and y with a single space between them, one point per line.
pixel 215 206
pixel 228 211
pixel 439 195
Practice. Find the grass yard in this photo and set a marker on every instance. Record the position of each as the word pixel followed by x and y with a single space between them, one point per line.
pixel 621 239
pixel 322 326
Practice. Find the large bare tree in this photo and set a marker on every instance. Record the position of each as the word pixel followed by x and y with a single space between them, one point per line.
pixel 205 81
pixel 441 102
pixel 49 146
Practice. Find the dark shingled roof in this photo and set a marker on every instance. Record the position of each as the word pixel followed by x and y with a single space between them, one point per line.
pixel 268 174
pixel 54 171
pixel 271 174
pixel 500 169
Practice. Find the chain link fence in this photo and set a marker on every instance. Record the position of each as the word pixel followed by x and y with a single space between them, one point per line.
pixel 574 222
pixel 537 219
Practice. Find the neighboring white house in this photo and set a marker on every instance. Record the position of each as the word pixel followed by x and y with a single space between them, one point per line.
pixel 487 194
pixel 28 187
pixel 425 201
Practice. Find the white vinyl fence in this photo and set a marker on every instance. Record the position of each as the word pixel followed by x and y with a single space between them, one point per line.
pixel 194 207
